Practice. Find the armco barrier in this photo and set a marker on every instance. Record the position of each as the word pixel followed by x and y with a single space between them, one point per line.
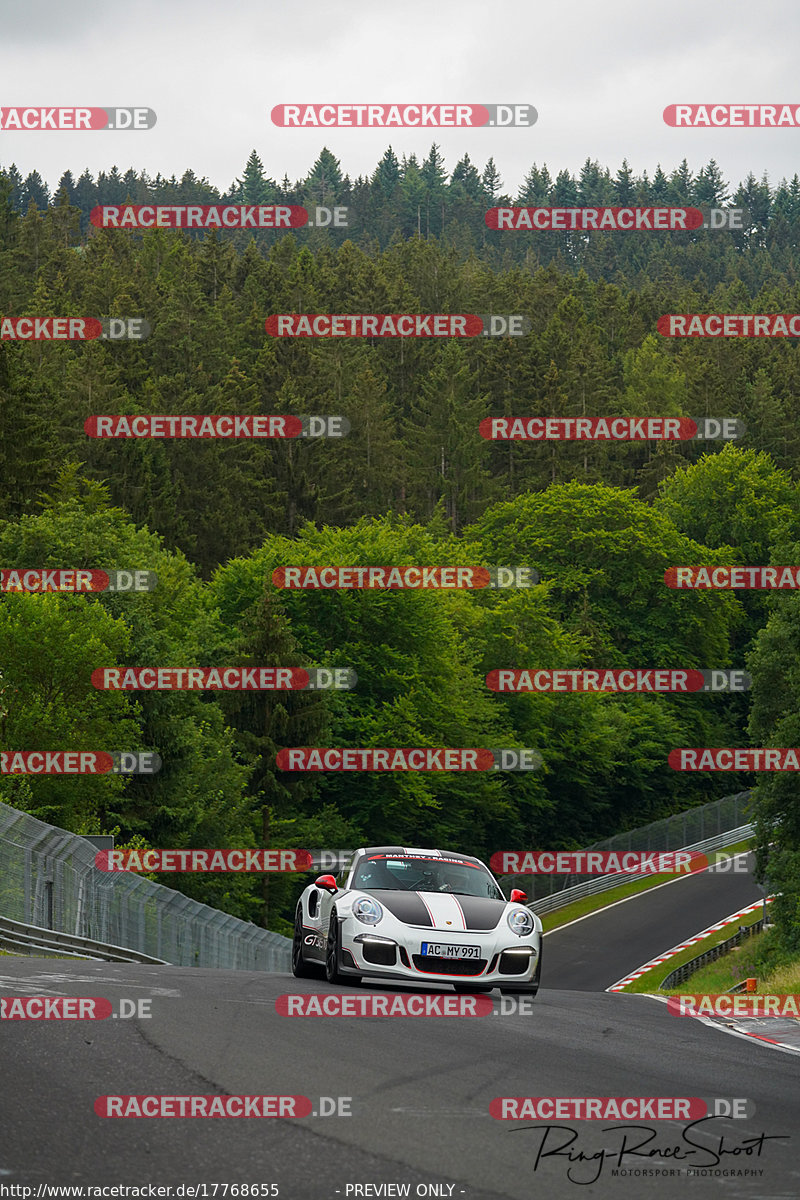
pixel 602 883
pixel 682 829
pixel 30 939
pixel 696 827
pixel 48 880
pixel 688 968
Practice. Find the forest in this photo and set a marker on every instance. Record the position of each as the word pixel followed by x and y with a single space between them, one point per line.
pixel 412 482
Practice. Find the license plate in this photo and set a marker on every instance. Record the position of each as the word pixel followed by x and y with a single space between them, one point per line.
pixel 437 950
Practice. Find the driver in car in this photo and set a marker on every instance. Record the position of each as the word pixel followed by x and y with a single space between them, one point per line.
pixel 374 875
pixel 432 879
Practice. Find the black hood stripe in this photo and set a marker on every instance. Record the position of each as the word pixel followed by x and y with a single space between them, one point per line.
pixel 480 913
pixel 406 906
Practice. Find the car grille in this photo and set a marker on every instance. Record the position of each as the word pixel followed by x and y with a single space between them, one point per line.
pixel 448 966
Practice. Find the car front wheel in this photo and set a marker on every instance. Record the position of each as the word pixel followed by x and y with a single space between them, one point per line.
pixel 300 968
pixel 332 952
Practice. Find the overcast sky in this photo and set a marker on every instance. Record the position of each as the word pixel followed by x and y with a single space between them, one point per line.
pixel 599 75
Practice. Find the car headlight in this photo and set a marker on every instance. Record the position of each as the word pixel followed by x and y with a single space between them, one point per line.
pixel 520 921
pixel 367 910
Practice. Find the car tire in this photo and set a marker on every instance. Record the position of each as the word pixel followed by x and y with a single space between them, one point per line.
pixel 300 968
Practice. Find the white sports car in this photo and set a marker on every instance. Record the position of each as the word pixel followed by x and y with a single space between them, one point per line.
pixel 421 915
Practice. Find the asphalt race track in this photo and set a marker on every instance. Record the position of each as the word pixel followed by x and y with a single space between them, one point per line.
pixel 420 1087
pixel 593 954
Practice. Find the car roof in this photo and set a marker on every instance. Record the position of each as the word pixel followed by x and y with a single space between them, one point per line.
pixel 434 853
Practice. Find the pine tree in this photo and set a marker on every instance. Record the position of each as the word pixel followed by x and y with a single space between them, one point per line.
pixel 466 180
pixel 29 447
pixel 86 196
pixel 8 218
pixel 659 188
pixel 434 177
pixel 34 191
pixel 594 187
pixel 16 182
pixel 66 184
pixel 624 187
pixel 445 460
pixel 492 183
pixel 680 184
pixel 267 721
pixel 536 187
pixel 565 190
pixel 254 187
pixel 111 187
pixel 323 183
pixel 386 176
pixel 709 186
pixel 412 197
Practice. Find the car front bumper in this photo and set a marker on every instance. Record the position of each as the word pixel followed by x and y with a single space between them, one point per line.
pixel 505 960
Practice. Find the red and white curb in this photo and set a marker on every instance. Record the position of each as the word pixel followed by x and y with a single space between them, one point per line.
pixel 621 984
pixel 734 1028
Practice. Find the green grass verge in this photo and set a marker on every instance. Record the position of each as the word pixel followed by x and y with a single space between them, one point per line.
pixel 721 975
pixel 761 957
pixel 651 980
pixel 590 904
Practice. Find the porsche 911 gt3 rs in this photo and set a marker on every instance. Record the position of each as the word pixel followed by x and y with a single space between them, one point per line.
pixel 416 914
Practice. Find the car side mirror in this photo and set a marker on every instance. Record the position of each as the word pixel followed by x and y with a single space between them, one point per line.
pixel 518 896
pixel 327 883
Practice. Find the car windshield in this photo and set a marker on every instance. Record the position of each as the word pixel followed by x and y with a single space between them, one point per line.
pixel 417 873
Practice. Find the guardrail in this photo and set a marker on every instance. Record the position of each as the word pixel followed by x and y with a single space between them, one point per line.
pixel 675 832
pixel 602 883
pixel 53 896
pixel 23 939
pixel 688 968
